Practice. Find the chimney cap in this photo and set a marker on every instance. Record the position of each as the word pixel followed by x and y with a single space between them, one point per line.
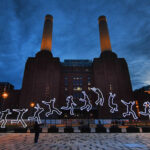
pixel 49 17
pixel 102 18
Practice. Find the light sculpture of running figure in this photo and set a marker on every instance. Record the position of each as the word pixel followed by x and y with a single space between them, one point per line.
pixel 111 104
pixel 37 113
pixel 51 107
pixel 146 109
pixel 21 112
pixel 70 105
pixel 3 117
pixel 129 109
pixel 100 99
pixel 87 104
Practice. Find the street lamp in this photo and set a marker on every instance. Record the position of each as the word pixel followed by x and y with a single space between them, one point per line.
pixel 32 104
pixel 4 96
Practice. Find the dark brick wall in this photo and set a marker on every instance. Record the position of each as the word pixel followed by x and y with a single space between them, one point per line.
pixel 41 79
pixel 45 77
pixel 110 70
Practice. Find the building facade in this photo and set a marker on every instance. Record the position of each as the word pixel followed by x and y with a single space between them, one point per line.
pixel 106 79
pixel 45 77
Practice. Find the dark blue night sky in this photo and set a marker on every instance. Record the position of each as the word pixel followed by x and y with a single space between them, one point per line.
pixel 75 33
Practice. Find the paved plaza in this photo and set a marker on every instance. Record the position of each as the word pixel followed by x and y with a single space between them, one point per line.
pixel 75 141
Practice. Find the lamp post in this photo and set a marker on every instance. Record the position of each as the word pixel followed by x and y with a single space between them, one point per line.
pixel 4 96
pixel 32 104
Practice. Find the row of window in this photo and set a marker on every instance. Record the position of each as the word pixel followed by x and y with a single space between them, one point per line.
pixel 76 80
pixel 77 88
pixel 77 83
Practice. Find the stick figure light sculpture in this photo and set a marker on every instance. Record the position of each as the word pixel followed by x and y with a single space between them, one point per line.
pixel 21 112
pixel 146 111
pixel 51 107
pixel 87 104
pixel 70 105
pixel 111 104
pixel 100 99
pixel 3 117
pixel 37 113
pixel 129 111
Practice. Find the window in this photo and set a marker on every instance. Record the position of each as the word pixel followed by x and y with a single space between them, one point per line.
pixel 77 81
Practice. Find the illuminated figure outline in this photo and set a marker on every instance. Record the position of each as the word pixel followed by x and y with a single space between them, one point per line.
pixel 37 113
pixel 21 112
pixel 129 112
pixel 87 104
pixel 100 100
pixel 4 115
pixel 111 104
pixel 70 105
pixel 51 107
pixel 146 109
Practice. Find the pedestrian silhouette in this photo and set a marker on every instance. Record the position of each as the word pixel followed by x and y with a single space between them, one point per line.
pixel 37 130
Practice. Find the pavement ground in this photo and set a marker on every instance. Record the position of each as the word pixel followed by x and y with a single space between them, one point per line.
pixel 75 141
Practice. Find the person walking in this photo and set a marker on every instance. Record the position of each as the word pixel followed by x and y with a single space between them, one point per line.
pixel 37 132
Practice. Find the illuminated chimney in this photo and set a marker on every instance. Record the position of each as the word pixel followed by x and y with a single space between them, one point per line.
pixel 47 33
pixel 104 34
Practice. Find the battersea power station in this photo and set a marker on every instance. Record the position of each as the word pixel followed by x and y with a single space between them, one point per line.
pixel 81 81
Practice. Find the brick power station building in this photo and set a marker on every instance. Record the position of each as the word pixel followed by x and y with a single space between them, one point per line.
pixel 45 77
